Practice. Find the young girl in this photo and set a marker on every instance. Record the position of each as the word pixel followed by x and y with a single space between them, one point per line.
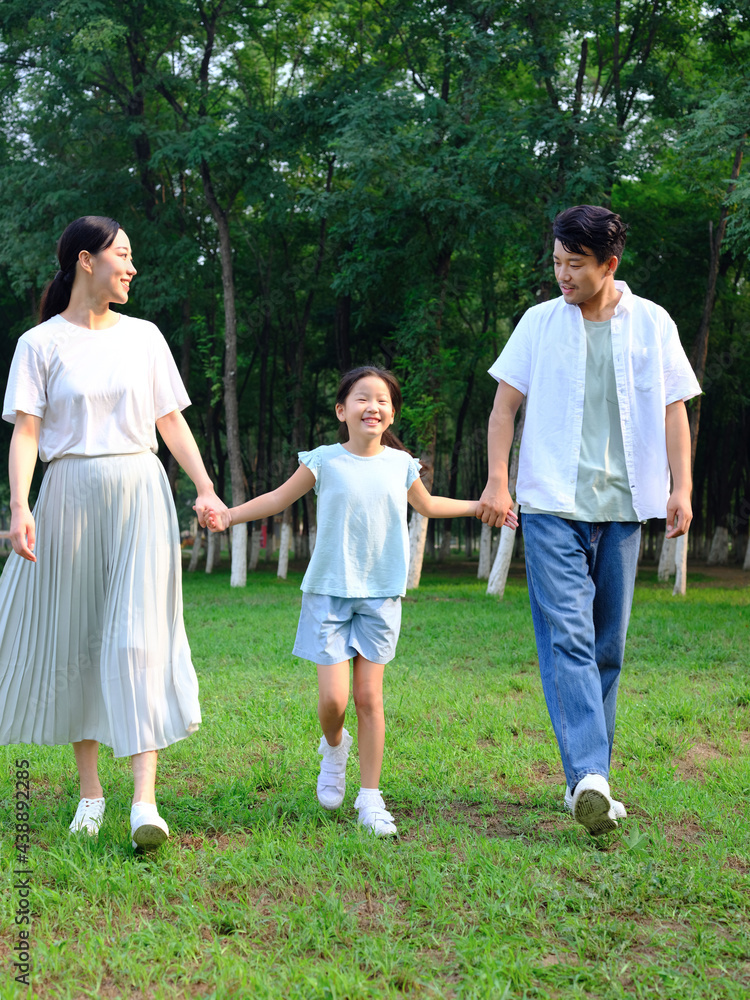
pixel 351 604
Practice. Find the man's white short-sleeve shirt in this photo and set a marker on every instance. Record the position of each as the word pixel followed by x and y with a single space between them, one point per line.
pixel 545 359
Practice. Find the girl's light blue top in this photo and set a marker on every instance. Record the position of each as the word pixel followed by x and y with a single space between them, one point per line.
pixel 362 542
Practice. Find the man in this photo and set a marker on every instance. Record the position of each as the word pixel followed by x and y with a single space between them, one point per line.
pixel 605 379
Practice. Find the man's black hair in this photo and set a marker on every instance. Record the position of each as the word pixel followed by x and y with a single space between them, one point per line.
pixel 590 229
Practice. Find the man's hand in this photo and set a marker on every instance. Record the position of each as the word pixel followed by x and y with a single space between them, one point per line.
pixel 495 508
pixel 679 513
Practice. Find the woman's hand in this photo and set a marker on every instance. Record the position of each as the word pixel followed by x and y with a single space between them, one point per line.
pixel 216 520
pixel 206 503
pixel 23 532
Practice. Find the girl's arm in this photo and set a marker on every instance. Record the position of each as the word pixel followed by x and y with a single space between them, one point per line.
pixel 431 506
pixel 180 441
pixel 266 505
pixel 24 447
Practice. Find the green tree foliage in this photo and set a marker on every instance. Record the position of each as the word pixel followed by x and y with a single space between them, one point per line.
pixel 379 181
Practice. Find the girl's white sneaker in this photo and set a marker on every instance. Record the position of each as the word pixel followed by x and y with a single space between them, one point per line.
pixel 88 817
pixel 332 777
pixel 372 813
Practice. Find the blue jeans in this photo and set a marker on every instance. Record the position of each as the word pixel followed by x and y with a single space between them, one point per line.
pixel 581 578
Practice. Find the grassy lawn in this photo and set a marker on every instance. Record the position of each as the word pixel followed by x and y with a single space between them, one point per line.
pixel 491 890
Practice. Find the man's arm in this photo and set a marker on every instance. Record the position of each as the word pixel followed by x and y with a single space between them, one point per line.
pixel 496 501
pixel 679 508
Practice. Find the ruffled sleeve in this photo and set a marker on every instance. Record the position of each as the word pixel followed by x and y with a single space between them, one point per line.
pixel 27 383
pixel 412 471
pixel 312 460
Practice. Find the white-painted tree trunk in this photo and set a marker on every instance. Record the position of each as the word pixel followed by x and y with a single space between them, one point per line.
pixel 238 575
pixel 746 564
pixel 254 546
pixel 680 559
pixel 501 564
pixel 485 551
pixel 667 558
pixel 417 539
pixel 213 550
pixel 196 552
pixel 286 541
pixel 312 536
pixel 718 554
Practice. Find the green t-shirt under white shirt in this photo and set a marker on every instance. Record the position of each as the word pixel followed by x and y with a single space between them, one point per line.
pixel 602 488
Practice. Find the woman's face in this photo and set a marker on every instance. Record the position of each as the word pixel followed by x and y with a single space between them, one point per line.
pixel 111 269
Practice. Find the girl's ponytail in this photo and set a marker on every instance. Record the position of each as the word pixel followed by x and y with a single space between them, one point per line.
pixel 91 232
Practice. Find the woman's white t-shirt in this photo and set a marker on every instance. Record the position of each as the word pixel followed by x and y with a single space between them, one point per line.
pixel 98 392
pixel 362 541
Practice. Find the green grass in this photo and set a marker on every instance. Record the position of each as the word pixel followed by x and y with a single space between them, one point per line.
pixel 491 891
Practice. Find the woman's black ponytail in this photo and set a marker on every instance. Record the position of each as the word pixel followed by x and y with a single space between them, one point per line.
pixel 91 232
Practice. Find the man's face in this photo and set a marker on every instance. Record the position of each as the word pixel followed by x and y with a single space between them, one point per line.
pixel 579 276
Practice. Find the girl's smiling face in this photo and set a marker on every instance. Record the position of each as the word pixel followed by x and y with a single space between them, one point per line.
pixel 368 410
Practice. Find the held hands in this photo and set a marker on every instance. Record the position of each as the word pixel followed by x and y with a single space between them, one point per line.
pixel 23 532
pixel 495 507
pixel 218 520
pixel 208 504
pixel 679 513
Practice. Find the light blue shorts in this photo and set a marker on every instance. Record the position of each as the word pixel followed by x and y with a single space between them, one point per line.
pixel 334 629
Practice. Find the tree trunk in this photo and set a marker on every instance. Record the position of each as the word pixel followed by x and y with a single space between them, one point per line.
pixel 485 551
pixel 418 523
pixel 746 564
pixel 196 553
pixel 499 574
pixel 213 551
pixel 286 538
pixel 667 564
pixel 718 554
pixel 254 547
pixel 680 576
pixel 231 411
pixel 501 565
pixel 700 349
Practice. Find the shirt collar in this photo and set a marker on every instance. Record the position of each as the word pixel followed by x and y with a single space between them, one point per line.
pixel 626 299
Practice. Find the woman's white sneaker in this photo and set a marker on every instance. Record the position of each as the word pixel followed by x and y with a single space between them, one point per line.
pixel 89 816
pixel 147 829
pixel 332 777
pixel 372 813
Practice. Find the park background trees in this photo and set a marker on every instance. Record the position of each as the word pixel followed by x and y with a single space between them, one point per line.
pixel 310 186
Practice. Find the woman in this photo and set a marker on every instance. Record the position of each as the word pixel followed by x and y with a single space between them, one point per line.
pixel 92 643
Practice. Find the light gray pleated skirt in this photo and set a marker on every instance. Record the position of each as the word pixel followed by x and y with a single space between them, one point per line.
pixel 92 641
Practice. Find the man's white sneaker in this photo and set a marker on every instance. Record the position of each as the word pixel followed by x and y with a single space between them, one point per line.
pixel 373 815
pixel 619 810
pixel 148 830
pixel 88 817
pixel 592 805
pixel 332 777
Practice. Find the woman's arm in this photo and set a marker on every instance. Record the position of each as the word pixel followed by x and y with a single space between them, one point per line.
pixel 178 438
pixel 24 446
pixel 267 504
